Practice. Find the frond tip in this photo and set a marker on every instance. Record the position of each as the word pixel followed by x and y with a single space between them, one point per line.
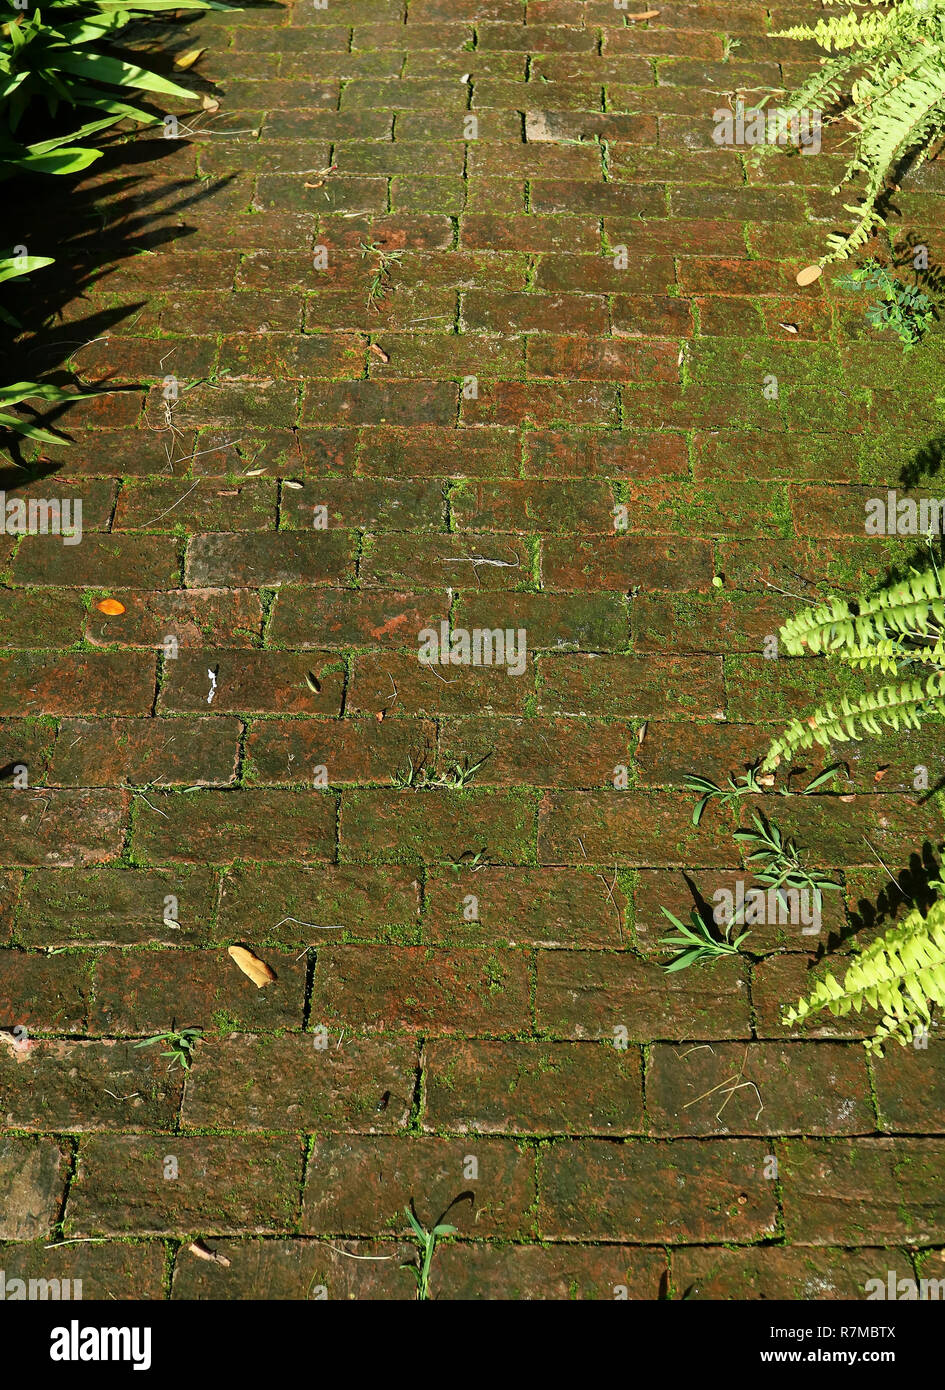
pixel 901 975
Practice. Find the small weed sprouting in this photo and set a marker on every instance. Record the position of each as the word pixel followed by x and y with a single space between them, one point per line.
pixel 426 1245
pixel 903 309
pixel 697 944
pixel 381 273
pixel 708 790
pixel 182 1042
pixel 423 778
pixel 752 783
pixel 470 859
pixel 776 862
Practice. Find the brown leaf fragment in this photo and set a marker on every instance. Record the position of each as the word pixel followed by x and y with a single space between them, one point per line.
pixel 197 1247
pixel 257 970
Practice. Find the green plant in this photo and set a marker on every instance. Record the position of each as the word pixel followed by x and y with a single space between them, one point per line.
pixel 698 944
pixel 751 783
pixel 885 73
pixel 426 1245
pixel 902 309
pixel 470 859
pixel 899 628
pixel 453 778
pixel 901 974
pixel 22 391
pixel 381 272
pixel 11 268
pixel 181 1041
pixel 776 862
pixel 60 61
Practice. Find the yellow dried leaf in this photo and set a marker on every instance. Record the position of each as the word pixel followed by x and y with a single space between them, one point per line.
pixel 809 274
pixel 187 60
pixel 257 970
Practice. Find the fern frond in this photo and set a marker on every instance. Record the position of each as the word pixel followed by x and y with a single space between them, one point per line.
pixel 890 66
pixel 843 31
pixel 901 975
pixel 913 607
pixel 892 707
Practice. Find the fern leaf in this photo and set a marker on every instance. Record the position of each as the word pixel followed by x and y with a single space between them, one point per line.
pixel 901 975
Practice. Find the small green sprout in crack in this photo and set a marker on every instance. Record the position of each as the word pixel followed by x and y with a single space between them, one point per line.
pixel 181 1043
pixel 381 271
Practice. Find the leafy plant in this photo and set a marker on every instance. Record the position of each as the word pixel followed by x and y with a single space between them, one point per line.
pixel 697 944
pixel 22 391
pixel 900 628
pixel 901 974
pixel 11 268
pixel 776 862
pixel 60 62
pixel 885 73
pixel 903 309
pixel 426 1245
pixel 454 778
pixel 382 270
pixel 751 783
pixel 181 1041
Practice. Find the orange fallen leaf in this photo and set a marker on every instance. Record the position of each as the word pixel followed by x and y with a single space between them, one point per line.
pixel 257 970
pixel 809 274
pixel 111 606
pixel 880 773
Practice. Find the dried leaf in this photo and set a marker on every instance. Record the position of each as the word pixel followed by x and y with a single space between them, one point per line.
pixel 111 607
pixel 846 798
pixel 197 1248
pixel 257 970
pixel 809 274
pixel 647 14
pixel 788 327
pixel 641 733
pixel 210 103
pixel 254 473
pixel 292 482
pixel 379 352
pixel 313 683
pixel 880 773
pixel 187 60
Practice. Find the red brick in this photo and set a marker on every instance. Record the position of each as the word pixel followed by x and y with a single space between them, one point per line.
pixel 595 994
pixel 356 1185
pixel 120 1186
pixel 420 990
pixel 681 1193
pixel 532 1088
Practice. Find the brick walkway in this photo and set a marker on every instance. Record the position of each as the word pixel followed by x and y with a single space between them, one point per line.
pixel 467 399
